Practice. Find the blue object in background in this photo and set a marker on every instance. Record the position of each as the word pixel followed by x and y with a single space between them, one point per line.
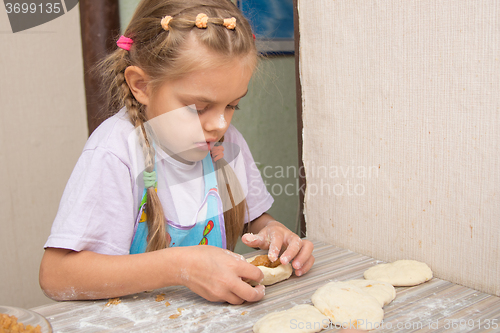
pixel 270 19
pixel 272 22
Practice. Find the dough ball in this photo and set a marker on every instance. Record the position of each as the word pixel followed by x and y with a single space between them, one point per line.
pixel 402 273
pixel 272 275
pixel 384 292
pixel 348 306
pixel 302 318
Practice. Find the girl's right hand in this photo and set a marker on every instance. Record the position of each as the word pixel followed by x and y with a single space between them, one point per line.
pixel 217 275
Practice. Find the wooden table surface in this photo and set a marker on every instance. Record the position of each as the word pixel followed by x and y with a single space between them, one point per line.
pixel 435 306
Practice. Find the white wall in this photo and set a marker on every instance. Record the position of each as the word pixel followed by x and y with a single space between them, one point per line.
pixel 43 128
pixel 401 131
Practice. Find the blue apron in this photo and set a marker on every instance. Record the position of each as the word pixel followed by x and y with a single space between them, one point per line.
pixel 210 231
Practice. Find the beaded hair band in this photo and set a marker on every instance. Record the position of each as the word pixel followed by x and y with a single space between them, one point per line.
pixel 200 22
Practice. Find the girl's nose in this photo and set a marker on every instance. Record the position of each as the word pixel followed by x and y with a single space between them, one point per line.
pixel 216 121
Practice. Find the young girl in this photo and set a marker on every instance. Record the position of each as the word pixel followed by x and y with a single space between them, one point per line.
pixel 145 195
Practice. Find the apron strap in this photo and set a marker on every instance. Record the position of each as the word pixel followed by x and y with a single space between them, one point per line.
pixel 208 169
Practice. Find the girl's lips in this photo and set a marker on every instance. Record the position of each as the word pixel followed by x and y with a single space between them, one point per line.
pixel 203 145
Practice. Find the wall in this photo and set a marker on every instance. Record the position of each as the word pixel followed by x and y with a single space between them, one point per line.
pixel 43 128
pixel 401 141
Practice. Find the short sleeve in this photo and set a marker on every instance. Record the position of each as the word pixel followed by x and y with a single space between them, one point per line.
pixel 96 212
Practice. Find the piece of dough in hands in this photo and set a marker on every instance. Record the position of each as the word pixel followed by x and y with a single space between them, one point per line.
pixel 303 318
pixel 348 306
pixel 400 273
pixel 272 275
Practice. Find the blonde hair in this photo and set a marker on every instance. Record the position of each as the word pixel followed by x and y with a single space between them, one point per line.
pixel 160 53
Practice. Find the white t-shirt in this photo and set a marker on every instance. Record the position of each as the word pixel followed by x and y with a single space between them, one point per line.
pixel 99 206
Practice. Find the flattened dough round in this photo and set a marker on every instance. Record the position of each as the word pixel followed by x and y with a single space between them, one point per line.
pixel 303 318
pixel 400 273
pixel 273 275
pixel 384 292
pixel 348 306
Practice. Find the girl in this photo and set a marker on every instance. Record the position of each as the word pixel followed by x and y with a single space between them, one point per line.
pixel 145 194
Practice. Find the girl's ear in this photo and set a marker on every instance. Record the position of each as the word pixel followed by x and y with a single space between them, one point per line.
pixel 137 81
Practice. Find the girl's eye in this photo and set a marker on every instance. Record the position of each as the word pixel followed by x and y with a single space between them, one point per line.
pixel 194 109
pixel 233 107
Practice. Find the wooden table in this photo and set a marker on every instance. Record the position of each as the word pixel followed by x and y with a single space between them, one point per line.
pixel 435 306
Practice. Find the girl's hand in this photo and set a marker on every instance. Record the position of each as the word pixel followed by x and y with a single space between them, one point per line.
pixel 275 236
pixel 216 275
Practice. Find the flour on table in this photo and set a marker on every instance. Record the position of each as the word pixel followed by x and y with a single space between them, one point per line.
pixel 348 306
pixel 400 273
pixel 302 318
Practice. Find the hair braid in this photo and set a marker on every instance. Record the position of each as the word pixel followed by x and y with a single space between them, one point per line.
pixel 157 232
pixel 233 201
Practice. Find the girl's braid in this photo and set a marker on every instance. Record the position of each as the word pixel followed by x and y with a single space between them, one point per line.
pixel 154 209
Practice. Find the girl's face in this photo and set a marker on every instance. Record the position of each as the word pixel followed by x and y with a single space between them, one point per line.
pixel 190 114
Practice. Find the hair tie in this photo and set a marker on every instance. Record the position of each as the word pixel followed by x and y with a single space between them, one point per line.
pixel 124 43
pixel 149 178
pixel 165 21
pixel 230 23
pixel 217 152
pixel 201 20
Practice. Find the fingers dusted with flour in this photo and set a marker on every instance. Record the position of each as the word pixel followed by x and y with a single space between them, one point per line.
pixel 304 259
pixel 217 275
pixel 273 236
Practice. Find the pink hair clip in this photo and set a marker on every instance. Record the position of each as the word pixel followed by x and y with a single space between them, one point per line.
pixel 124 43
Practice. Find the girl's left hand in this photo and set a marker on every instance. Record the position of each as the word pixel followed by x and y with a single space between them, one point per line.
pixel 275 236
